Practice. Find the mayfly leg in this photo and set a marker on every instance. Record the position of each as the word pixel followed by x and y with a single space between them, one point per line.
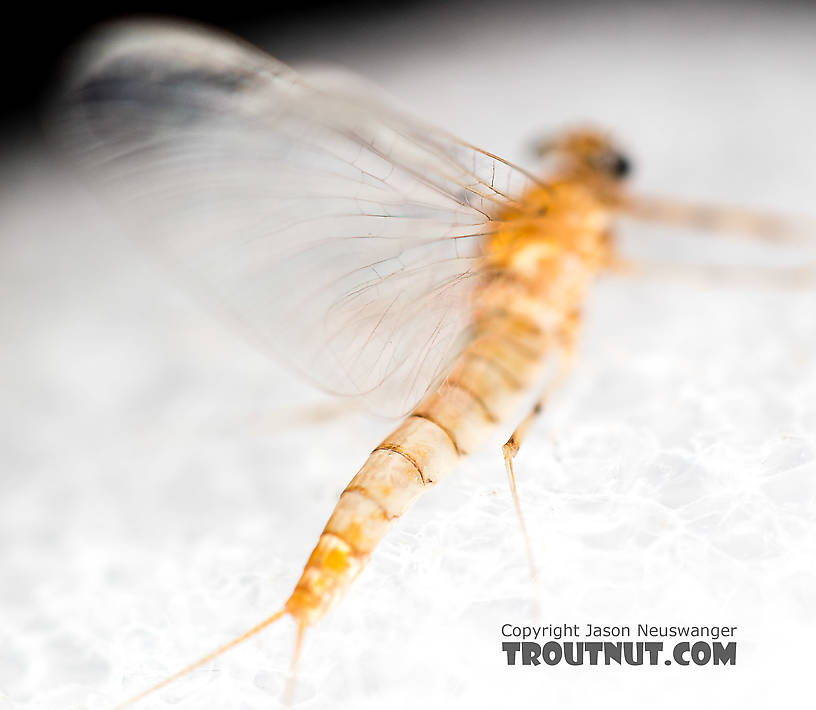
pixel 511 447
pixel 784 277
pixel 734 221
pixel 730 221
pixel 303 416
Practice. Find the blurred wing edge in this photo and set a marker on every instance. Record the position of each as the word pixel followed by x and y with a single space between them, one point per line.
pixel 343 236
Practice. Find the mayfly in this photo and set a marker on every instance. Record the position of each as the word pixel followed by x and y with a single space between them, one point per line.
pixel 381 257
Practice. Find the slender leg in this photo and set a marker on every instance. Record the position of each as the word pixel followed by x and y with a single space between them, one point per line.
pixel 513 444
pixel 509 452
pixel 783 277
pixel 307 415
pixel 735 221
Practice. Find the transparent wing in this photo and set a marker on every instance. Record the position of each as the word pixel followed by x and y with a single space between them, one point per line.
pixel 343 236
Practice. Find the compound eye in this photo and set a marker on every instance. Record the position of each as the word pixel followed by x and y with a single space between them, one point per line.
pixel 620 166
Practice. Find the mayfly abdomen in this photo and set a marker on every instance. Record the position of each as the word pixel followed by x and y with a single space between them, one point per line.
pixel 488 381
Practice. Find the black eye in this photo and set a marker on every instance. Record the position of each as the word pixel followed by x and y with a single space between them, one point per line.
pixel 620 167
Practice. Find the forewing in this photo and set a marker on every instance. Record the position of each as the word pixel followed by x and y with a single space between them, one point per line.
pixel 343 236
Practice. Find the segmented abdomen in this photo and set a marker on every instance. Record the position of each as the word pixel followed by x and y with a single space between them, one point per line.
pixel 486 384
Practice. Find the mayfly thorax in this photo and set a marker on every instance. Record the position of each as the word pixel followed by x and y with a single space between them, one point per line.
pixel 382 258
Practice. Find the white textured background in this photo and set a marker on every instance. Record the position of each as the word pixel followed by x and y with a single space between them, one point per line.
pixel 157 495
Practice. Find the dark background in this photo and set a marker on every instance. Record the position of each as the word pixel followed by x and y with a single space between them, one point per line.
pixel 34 40
pixel 33 37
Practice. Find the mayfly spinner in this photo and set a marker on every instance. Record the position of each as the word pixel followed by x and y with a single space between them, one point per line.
pixel 383 258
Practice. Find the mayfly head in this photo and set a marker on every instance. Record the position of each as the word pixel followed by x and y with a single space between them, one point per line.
pixel 586 152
